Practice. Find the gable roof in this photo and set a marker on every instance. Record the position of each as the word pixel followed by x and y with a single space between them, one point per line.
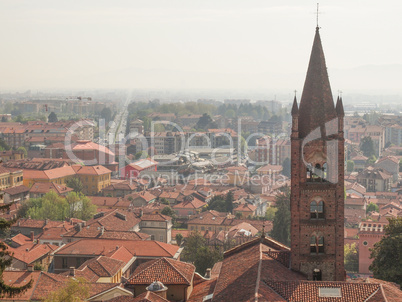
pixel 106 247
pixel 165 270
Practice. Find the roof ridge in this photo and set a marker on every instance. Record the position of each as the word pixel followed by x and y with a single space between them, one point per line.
pixel 176 269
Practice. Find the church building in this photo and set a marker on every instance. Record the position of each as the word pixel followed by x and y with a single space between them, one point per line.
pixel 317 177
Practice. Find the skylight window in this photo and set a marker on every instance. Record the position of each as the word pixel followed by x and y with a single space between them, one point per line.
pixel 327 292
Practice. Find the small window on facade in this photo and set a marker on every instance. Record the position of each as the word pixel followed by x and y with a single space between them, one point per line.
pixel 365 243
pixel 317 210
pixel 316 244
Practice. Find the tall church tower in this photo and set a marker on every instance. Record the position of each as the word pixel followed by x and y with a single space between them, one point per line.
pixel 317 165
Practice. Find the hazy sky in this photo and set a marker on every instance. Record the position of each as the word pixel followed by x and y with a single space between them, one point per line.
pixel 194 44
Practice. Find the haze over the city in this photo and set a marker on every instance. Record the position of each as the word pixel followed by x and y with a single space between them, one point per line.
pixel 256 45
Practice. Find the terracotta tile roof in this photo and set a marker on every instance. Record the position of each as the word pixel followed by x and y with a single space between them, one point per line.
pixel 146 296
pixel 36 224
pixel 301 291
pixel 249 263
pixel 107 247
pixel 21 239
pixel 16 190
pixel 104 201
pixel 98 267
pixel 116 220
pixel 49 174
pixel 194 203
pixel 53 233
pixel 43 188
pixel 165 270
pixel 144 194
pixel 30 252
pixel 201 289
pixel 95 231
pixel 88 145
pixel 245 207
pixel 91 170
pixel 20 278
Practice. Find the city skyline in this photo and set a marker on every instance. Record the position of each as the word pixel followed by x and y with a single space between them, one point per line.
pixel 196 45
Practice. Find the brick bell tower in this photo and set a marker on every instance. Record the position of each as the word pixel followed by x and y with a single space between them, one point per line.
pixel 317 165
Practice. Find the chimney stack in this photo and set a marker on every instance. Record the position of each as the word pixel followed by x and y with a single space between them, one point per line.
pixel 72 271
pixel 32 235
pixel 208 273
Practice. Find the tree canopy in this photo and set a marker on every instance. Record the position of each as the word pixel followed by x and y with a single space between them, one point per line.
pixel 75 184
pixel 54 207
pixel 52 118
pixel 198 252
pixel 281 223
pixel 387 253
pixel 367 146
pixel 76 290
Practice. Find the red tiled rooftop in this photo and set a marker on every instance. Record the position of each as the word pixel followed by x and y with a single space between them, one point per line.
pixel 165 270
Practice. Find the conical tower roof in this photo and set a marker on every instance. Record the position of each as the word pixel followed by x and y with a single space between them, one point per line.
pixel 316 105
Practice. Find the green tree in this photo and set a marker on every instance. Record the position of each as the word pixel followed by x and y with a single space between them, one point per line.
pixel 286 167
pixel 52 118
pixel 270 213
pixel 3 145
pixel 351 258
pixel 387 253
pixel 372 207
pixel 217 203
pixel 229 198
pixel 281 223
pixel 75 184
pixel 80 206
pixel 206 258
pixel 6 260
pixel 371 160
pixel 197 252
pixel 50 206
pixel 367 146
pixel 350 165
pixel 54 207
pixel 179 239
pixel 204 121
pixel 76 290
pixel 168 211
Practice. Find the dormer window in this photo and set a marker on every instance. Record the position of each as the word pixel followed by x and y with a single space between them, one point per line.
pixel 317 210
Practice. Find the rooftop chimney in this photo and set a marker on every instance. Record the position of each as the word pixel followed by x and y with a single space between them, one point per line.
pixel 208 273
pixel 72 271
pixel 32 235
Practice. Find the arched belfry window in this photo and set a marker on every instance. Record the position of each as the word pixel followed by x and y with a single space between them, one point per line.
pixel 317 210
pixel 317 173
pixel 316 244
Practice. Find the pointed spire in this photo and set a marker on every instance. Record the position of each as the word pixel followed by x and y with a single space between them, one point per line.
pixel 339 107
pixel 295 108
pixel 316 105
